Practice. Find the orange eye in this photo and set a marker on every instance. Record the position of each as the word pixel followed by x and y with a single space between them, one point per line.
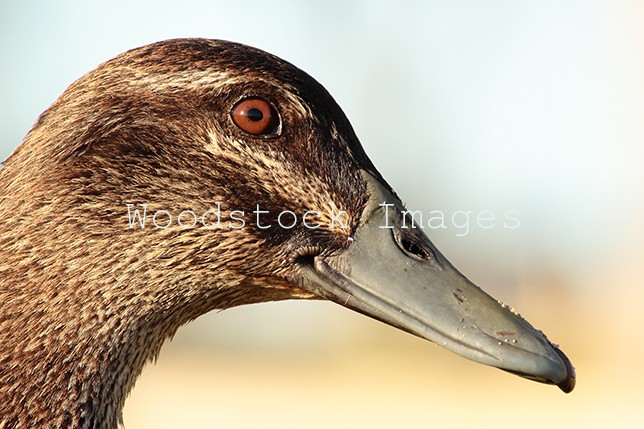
pixel 256 116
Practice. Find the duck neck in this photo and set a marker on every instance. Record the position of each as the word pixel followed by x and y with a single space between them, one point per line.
pixel 72 361
pixel 72 351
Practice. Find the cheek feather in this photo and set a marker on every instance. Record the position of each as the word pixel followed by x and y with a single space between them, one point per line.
pixel 273 174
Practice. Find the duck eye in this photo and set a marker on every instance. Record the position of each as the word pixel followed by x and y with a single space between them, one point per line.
pixel 255 116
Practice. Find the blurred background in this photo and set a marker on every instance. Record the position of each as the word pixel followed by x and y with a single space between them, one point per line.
pixel 530 108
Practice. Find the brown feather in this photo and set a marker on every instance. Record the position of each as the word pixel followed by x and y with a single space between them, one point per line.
pixel 86 300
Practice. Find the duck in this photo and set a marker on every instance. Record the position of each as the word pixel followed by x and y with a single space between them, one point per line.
pixel 191 175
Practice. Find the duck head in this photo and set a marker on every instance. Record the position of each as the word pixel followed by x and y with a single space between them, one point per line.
pixel 190 175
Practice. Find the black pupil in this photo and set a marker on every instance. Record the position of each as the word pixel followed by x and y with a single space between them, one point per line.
pixel 255 115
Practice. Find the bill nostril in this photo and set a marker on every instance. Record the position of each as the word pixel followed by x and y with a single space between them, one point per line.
pixel 412 246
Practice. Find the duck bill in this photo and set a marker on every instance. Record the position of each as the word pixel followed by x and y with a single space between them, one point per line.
pixel 392 272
